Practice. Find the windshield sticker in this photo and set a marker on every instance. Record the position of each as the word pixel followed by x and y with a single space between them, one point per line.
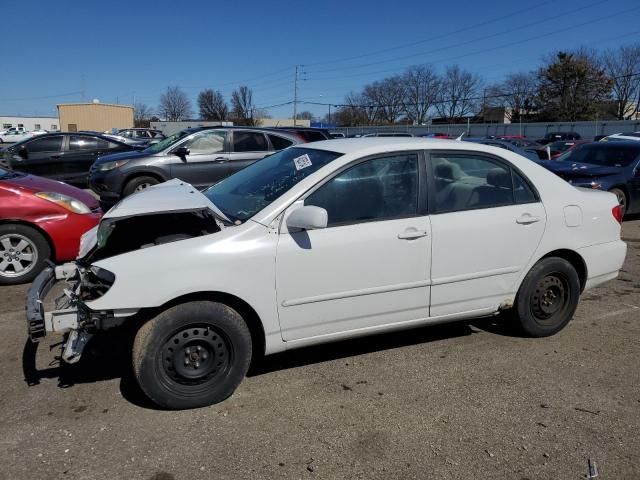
pixel 303 161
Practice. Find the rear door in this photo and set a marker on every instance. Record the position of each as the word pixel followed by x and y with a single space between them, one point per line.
pixel 81 152
pixel 207 162
pixel 487 222
pixel 247 147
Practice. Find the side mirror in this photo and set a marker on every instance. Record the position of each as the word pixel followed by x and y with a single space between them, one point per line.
pixel 22 152
pixel 182 152
pixel 307 218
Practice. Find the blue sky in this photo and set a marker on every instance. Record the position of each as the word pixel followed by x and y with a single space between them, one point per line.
pixel 125 51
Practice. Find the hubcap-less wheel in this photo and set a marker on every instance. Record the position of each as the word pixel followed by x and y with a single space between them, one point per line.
pixel 18 255
pixel 550 299
pixel 195 355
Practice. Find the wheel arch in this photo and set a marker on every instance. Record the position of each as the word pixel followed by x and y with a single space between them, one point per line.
pixel 44 233
pixel 246 311
pixel 625 190
pixel 575 259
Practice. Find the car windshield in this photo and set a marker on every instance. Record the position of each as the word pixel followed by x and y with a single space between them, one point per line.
pixel 605 155
pixel 245 193
pixel 167 142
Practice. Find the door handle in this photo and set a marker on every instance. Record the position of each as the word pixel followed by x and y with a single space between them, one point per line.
pixel 221 160
pixel 527 219
pixel 412 234
pixel 56 156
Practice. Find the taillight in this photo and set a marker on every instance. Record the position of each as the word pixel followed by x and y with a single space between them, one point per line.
pixel 617 213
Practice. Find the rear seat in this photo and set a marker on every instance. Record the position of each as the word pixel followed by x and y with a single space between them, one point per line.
pixel 457 191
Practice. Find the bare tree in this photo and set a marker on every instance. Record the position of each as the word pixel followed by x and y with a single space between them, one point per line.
pixel 175 105
pixel 458 94
pixel 141 115
pixel 212 105
pixel 387 96
pixel 420 93
pixel 516 94
pixel 622 65
pixel 242 107
pixel 306 115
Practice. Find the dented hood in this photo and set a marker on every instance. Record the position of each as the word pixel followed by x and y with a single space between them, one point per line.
pixel 172 196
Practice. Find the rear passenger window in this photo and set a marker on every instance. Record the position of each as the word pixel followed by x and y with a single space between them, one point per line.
pixel 86 143
pixel 249 142
pixel 467 182
pixel 521 189
pixel 279 143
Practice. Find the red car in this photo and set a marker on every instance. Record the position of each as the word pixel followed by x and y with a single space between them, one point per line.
pixel 40 220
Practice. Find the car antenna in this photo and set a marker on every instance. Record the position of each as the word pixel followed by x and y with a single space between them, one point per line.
pixel 460 137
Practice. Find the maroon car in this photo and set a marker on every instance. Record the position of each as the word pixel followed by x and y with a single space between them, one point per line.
pixel 40 220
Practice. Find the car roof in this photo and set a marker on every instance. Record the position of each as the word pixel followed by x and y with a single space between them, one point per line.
pixel 392 144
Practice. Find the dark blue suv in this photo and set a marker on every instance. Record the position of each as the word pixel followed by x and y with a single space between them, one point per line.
pixel 611 166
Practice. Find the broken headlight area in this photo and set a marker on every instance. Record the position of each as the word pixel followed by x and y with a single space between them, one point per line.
pixel 119 235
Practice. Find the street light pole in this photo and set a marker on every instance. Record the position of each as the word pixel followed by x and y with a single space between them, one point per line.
pixel 295 97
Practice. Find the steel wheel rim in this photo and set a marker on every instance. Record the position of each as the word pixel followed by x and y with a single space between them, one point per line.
pixel 195 355
pixel 18 255
pixel 550 299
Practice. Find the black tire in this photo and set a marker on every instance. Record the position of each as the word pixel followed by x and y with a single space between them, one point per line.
pixel 137 184
pixel 192 355
pixel 623 200
pixel 548 297
pixel 15 255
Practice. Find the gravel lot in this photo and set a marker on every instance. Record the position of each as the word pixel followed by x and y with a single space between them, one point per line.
pixel 463 401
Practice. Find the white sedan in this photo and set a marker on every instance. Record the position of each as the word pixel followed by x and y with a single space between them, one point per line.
pixel 14 136
pixel 328 241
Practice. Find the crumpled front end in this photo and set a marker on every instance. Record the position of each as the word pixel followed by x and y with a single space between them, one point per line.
pixel 70 314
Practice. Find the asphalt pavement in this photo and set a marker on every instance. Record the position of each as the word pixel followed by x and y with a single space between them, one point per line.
pixel 470 400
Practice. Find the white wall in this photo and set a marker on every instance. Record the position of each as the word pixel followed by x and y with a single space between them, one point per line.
pixel 30 123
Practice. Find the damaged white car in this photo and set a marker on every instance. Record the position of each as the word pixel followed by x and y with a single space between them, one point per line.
pixel 328 241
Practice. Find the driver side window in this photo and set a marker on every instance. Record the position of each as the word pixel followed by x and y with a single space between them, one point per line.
pixel 207 142
pixel 379 189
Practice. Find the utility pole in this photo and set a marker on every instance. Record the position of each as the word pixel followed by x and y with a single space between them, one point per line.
pixel 295 97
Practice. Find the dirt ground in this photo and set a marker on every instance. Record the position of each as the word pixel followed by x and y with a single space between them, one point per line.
pixel 470 400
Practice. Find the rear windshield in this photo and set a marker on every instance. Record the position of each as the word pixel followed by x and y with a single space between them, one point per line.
pixel 611 155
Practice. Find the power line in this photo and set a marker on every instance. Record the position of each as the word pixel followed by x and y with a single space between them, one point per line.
pixel 490 49
pixel 40 98
pixel 461 44
pixel 418 42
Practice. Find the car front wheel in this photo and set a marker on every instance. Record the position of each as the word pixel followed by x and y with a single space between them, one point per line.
pixel 139 184
pixel 548 297
pixel 192 355
pixel 23 252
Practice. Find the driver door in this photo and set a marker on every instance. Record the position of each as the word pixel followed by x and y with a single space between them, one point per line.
pixel 207 161
pixel 370 266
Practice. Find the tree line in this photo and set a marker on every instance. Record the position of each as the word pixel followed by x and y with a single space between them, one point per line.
pixel 175 106
pixel 568 86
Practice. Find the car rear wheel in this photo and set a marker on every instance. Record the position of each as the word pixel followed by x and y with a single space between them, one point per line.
pixel 23 252
pixel 192 355
pixel 548 297
pixel 622 198
pixel 139 184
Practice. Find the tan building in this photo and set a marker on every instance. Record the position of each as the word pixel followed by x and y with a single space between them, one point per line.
pixel 101 117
